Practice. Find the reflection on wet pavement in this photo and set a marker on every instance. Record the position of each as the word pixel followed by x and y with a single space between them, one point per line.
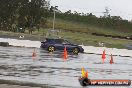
pixel 50 68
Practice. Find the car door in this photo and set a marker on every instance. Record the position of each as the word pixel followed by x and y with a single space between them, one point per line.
pixel 58 45
pixel 67 44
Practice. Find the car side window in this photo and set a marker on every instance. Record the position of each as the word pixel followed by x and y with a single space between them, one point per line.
pixel 65 42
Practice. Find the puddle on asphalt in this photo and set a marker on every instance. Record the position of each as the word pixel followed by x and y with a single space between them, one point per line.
pixel 17 64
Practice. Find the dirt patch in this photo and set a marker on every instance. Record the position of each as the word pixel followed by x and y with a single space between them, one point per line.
pixel 14 83
pixel 112 36
pixel 22 36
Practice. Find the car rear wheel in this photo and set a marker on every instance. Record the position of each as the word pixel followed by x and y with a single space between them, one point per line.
pixel 51 48
pixel 75 50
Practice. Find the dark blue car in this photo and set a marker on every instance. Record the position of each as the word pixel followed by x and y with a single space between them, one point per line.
pixel 52 45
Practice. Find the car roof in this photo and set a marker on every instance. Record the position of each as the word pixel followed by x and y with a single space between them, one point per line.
pixel 58 40
pixel 54 39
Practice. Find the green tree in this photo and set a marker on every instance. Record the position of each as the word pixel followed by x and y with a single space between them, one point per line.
pixel 22 13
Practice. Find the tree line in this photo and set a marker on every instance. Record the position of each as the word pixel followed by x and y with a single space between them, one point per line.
pixel 112 22
pixel 17 15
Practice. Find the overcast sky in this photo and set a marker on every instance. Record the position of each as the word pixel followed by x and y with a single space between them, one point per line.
pixel 121 8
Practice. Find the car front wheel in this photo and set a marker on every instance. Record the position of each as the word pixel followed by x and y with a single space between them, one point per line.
pixel 75 50
pixel 51 48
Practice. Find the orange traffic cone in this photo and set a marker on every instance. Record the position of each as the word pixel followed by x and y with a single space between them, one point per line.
pixel 86 74
pixel 111 60
pixel 65 56
pixel 34 53
pixel 103 56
